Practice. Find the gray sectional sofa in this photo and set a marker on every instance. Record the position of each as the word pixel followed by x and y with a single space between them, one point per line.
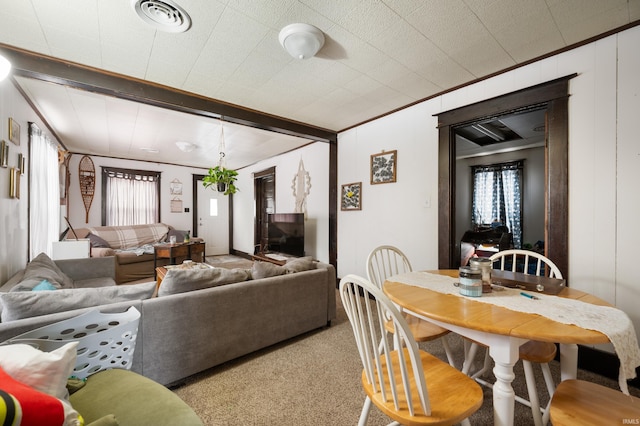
pixel 185 331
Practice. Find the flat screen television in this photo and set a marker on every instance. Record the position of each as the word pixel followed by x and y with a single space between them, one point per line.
pixel 286 233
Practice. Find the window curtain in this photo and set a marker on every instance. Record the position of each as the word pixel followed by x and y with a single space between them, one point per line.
pixel 44 193
pixel 497 197
pixel 131 197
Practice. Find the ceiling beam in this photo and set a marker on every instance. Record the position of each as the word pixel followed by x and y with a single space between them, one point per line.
pixel 54 70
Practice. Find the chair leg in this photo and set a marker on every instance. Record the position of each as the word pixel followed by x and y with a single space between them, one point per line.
pixel 364 415
pixel 551 388
pixel 447 350
pixel 533 393
pixel 470 352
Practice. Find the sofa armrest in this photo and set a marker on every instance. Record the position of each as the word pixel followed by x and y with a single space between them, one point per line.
pixel 86 268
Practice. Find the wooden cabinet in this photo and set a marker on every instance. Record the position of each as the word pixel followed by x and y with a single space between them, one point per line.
pixel 178 252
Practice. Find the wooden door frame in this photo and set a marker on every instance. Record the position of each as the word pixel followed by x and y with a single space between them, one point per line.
pixel 554 95
pixel 271 171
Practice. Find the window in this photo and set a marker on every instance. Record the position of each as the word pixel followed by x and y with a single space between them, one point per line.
pixel 44 193
pixel 130 197
pixel 497 197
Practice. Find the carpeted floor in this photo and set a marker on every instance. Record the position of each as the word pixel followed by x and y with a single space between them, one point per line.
pixel 315 380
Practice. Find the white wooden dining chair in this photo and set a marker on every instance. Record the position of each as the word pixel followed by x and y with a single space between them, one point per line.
pixel 407 384
pixel 530 263
pixel 385 261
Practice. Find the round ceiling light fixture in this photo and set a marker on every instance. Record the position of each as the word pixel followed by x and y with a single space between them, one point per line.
pixel 164 15
pixel 302 41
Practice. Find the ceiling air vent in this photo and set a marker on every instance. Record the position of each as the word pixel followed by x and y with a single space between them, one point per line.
pixel 163 15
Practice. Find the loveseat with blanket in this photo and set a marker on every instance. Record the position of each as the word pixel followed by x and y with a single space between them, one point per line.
pixel 132 247
pixel 200 318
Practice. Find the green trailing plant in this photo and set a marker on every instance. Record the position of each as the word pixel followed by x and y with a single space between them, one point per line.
pixel 223 179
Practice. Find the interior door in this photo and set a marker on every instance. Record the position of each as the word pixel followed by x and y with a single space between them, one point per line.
pixel 213 220
pixel 265 190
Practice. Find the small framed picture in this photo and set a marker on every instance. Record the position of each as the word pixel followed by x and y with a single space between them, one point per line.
pixel 351 196
pixel 14 131
pixel 4 154
pixel 383 167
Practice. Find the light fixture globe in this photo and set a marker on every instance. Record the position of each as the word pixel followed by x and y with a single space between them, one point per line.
pixel 302 41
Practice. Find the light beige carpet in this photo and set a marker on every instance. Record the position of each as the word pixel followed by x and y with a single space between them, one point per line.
pixel 315 380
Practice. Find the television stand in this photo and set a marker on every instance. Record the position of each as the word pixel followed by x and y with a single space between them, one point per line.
pixel 273 257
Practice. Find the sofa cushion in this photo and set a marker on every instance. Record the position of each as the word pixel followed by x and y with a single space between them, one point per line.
pixel 94 283
pixel 44 285
pixel 25 304
pixel 128 237
pixel 261 270
pixel 97 242
pixel 43 268
pixel 102 252
pixel 300 264
pixel 183 280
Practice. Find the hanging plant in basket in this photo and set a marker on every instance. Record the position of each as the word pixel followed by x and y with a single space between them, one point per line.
pixel 223 179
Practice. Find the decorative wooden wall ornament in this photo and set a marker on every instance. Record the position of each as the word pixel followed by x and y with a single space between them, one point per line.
pixel 87 178
pixel 301 186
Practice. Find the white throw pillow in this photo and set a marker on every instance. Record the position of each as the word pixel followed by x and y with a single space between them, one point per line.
pixel 45 371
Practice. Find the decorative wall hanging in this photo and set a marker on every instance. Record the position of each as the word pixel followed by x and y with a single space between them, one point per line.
pixel 20 165
pixel 176 205
pixel 87 178
pixel 14 131
pixel 64 176
pixel 175 187
pixel 351 196
pixel 383 167
pixel 14 183
pixel 301 186
pixel 4 154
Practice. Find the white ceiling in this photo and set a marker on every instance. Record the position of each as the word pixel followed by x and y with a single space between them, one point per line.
pixel 379 55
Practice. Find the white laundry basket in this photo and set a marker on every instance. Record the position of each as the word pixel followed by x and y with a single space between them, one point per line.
pixel 105 340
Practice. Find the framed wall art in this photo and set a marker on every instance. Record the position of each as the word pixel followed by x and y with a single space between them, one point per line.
pixel 14 131
pixel 176 205
pixel 351 198
pixel 4 154
pixel 383 167
pixel 175 187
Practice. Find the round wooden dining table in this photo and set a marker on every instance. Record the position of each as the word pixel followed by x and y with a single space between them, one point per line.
pixel 502 330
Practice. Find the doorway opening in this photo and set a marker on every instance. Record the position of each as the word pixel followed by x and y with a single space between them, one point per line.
pixel 264 184
pixel 553 97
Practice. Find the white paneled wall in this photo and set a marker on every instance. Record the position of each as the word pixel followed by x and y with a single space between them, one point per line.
pixel 315 158
pixel 627 212
pixel 604 170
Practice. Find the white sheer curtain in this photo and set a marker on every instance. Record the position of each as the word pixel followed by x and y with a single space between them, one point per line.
pixel 44 193
pixel 132 198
